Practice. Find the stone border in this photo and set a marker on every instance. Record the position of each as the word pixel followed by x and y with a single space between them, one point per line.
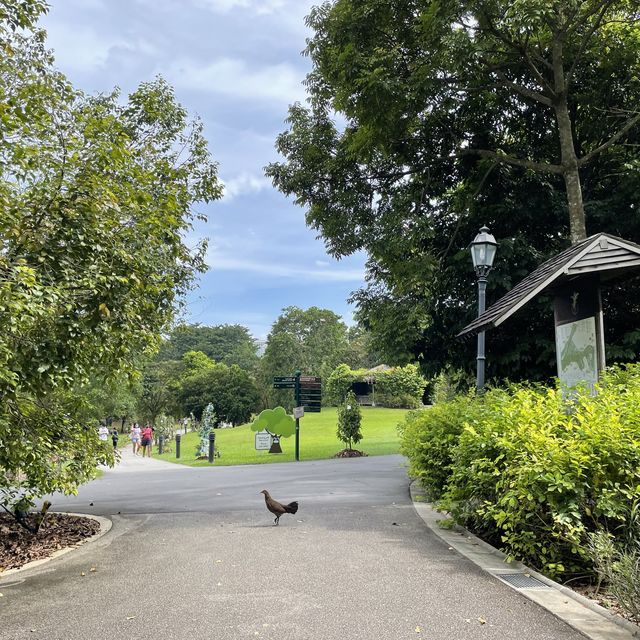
pixel 105 527
pixel 579 612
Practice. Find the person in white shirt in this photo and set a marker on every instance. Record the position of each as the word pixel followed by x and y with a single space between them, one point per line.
pixel 135 438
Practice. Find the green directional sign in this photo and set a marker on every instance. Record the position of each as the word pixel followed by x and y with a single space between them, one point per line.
pixel 284 385
pixel 284 379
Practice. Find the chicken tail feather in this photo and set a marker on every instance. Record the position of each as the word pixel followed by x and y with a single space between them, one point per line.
pixel 292 507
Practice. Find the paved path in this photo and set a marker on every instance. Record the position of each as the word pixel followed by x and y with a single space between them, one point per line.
pixel 193 555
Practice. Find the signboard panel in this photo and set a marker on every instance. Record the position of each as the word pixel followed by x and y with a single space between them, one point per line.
pixel 284 385
pixel 576 350
pixel 304 379
pixel 284 379
pixel 263 441
pixel 313 409
pixel 311 385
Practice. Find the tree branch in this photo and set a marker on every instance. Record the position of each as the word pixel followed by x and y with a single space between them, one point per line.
pixel 539 78
pixel 612 140
pixel 523 91
pixel 512 160
pixel 586 39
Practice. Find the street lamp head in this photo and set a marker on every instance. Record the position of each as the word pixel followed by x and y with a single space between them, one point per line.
pixel 483 251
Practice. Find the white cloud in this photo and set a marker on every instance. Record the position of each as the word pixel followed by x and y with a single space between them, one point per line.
pixel 244 183
pixel 85 49
pixel 261 7
pixel 278 269
pixel 232 77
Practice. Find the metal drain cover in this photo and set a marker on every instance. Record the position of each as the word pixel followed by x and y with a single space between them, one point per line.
pixel 522 581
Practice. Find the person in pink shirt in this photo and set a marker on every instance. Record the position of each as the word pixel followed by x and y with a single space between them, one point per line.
pixel 147 440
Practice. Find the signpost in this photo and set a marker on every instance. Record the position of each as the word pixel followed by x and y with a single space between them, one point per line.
pixel 308 398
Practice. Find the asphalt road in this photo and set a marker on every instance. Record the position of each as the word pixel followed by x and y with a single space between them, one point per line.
pixel 193 554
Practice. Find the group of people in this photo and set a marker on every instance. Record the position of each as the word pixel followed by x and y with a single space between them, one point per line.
pixel 141 438
pixel 104 432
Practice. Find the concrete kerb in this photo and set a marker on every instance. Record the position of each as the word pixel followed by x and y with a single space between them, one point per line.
pixel 583 614
pixel 105 527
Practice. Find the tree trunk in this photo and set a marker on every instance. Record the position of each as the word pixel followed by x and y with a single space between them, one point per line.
pixel 569 159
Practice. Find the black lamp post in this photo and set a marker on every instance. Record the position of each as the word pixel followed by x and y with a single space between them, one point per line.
pixel 483 251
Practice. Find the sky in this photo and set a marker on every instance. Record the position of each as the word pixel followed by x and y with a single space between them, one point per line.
pixel 237 64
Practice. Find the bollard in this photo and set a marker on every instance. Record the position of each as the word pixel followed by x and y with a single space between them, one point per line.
pixel 212 444
pixel 160 444
pixel 178 438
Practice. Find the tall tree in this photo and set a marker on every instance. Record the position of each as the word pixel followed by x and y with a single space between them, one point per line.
pixel 451 115
pixel 97 194
pixel 226 343
pixel 313 340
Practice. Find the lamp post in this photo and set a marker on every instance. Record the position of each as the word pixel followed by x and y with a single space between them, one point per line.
pixel 483 251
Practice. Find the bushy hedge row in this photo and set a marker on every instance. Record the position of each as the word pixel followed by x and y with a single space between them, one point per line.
pixel 524 472
pixel 396 387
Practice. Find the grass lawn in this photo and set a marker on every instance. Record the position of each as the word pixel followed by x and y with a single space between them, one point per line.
pixel 317 440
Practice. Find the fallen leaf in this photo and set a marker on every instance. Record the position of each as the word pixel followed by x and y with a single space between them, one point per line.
pixel 219 584
pixel 482 621
pixel 218 560
pixel 131 617
pixel 93 569
pixel 83 574
pixel 418 630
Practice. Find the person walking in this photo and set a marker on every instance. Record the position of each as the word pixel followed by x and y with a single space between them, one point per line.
pixel 135 435
pixel 103 432
pixel 147 440
pixel 114 438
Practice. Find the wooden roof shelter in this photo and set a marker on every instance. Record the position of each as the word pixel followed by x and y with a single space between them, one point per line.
pixel 602 254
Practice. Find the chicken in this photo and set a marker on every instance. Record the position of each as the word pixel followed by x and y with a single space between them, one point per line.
pixel 277 508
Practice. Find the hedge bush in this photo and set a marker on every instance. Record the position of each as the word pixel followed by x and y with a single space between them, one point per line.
pixel 520 469
pixel 399 387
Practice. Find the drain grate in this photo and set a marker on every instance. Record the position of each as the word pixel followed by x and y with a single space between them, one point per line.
pixel 522 581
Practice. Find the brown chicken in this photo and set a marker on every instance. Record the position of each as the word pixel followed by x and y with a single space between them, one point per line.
pixel 277 508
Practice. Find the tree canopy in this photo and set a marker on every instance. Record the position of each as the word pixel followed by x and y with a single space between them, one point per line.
pixel 226 343
pixel 97 193
pixel 426 120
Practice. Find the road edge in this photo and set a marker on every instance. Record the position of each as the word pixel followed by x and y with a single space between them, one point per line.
pixel 580 613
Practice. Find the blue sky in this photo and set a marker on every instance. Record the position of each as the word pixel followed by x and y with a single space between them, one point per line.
pixel 238 65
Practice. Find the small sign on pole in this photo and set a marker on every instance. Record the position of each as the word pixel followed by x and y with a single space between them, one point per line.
pixel 298 412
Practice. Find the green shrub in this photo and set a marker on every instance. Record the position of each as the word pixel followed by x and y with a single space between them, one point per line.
pixel 349 421
pixel 521 470
pixel 427 439
pixel 402 401
pixel 400 381
pixel 618 567
pixel 400 387
pixel 339 384
pixel 450 383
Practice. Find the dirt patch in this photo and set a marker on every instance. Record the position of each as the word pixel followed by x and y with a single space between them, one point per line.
pixel 59 530
pixel 350 453
pixel 603 598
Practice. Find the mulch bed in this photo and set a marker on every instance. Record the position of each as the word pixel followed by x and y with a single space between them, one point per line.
pixel 18 546
pixel 350 453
